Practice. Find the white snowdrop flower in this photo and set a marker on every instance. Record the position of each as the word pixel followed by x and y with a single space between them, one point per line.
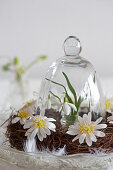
pixel 87 130
pixel 60 103
pixel 40 126
pixel 67 108
pixel 54 102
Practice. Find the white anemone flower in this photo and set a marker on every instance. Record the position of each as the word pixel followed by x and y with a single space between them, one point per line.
pixel 109 109
pixel 22 116
pixel 87 130
pixel 40 126
pixel 109 105
pixel 110 118
pixel 25 112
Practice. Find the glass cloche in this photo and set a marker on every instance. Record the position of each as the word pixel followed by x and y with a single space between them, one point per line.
pixel 71 86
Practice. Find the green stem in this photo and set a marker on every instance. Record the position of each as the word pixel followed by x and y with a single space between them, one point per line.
pixel 35 61
pixel 32 63
pixel 70 100
pixel 55 96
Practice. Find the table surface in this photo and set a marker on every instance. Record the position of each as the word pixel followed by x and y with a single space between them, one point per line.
pixel 4 87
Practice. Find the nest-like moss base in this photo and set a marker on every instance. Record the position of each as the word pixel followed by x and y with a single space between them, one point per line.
pixel 59 139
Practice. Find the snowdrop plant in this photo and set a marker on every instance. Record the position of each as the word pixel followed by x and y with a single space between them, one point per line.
pixel 60 103
pixel 14 65
pixel 69 106
pixel 87 130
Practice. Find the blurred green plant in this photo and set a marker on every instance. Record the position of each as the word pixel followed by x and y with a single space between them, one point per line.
pixel 16 66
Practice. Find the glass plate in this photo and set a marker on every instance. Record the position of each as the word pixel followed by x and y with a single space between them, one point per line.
pixel 48 161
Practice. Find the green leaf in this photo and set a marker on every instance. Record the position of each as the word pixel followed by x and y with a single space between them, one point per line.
pixel 55 96
pixel 70 87
pixel 70 100
pixel 80 100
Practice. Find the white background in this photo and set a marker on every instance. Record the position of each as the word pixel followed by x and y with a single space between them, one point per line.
pixel 29 28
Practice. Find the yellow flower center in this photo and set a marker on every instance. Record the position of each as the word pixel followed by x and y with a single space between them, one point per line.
pixel 29 103
pixel 108 104
pixel 38 122
pixel 87 129
pixel 23 114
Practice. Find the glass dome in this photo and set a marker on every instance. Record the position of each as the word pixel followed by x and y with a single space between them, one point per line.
pixel 71 86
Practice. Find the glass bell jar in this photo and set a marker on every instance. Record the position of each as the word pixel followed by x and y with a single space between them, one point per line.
pixel 71 86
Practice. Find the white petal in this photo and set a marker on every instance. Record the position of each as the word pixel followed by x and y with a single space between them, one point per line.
pixel 72 106
pixel 22 121
pixel 109 111
pixel 66 108
pixel 77 137
pixel 98 121
pixel 101 126
pixel 110 118
pixel 71 127
pixel 88 140
pixel 85 118
pixel 89 118
pixel 42 132
pixel 99 133
pixel 27 124
pixel 50 119
pixel 72 132
pixel 16 119
pixel 93 137
pixel 40 137
pixel 33 134
pixel 80 119
pixel 47 131
pixel 76 125
pixel 29 131
pixel 81 139
pixel 111 122
pixel 54 130
pixel 50 125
